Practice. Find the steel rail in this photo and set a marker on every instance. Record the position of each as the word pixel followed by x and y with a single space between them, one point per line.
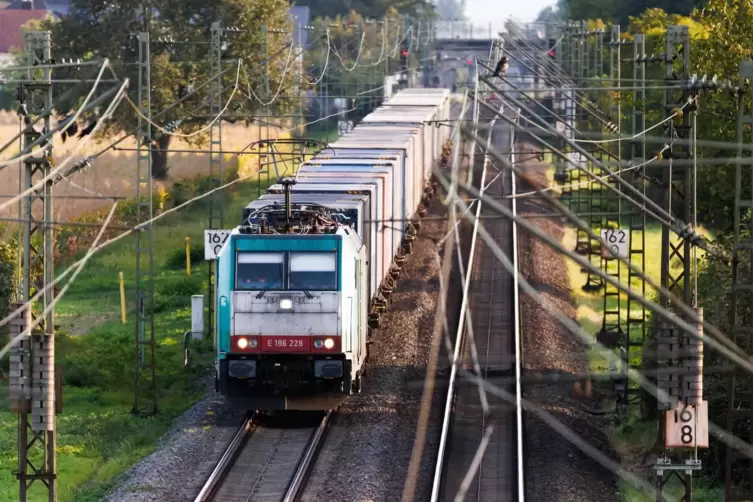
pixel 307 461
pixel 226 461
pixel 442 449
pixel 516 331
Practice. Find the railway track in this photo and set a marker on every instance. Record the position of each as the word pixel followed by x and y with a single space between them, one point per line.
pixel 266 463
pixel 492 298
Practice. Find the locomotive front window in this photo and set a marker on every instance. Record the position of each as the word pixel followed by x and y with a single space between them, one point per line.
pixel 313 271
pixel 260 271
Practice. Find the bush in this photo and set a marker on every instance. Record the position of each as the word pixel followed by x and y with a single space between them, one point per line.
pixel 176 293
pixel 177 258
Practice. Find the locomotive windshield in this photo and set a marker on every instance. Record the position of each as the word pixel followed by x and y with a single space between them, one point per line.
pixel 313 271
pixel 260 271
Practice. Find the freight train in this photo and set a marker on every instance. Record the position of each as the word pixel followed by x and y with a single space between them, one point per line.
pixel 308 272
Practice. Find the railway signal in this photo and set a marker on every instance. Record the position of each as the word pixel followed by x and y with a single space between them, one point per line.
pixel 403 59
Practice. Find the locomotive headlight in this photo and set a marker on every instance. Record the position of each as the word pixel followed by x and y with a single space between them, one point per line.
pixel 318 344
pixel 286 304
pixel 329 343
pixel 242 343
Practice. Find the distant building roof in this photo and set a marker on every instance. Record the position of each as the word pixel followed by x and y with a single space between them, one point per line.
pixel 301 17
pixel 11 21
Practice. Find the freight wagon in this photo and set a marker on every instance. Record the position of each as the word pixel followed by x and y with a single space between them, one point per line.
pixel 307 274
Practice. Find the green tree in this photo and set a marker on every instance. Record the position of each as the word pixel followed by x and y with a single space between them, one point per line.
pixel 98 29
pixel 620 11
pixel 731 22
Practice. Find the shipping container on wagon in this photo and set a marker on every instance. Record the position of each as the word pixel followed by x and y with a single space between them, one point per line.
pixel 441 97
pixel 379 131
pixel 390 237
pixel 423 117
pixel 407 172
pixel 369 169
pixel 388 143
pixel 438 122
pixel 412 181
pixel 397 155
pixel 418 138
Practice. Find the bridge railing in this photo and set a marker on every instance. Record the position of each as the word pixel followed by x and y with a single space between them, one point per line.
pixel 464 30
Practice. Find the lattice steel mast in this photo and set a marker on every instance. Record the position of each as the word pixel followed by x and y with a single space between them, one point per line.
pixel 33 361
pixel 145 371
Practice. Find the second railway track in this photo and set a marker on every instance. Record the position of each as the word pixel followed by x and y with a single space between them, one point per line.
pixel 267 461
pixel 493 313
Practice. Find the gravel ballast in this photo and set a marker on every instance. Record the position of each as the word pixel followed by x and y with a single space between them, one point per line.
pixel 556 470
pixel 185 456
pixel 367 451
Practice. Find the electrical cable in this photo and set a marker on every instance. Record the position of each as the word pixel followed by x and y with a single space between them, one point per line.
pixel 100 121
pixel 71 121
pixel 205 128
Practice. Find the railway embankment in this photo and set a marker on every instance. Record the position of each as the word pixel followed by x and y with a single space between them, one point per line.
pixel 555 468
pixel 98 438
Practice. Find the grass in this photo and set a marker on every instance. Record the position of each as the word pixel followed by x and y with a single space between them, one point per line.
pixel 631 437
pixel 98 438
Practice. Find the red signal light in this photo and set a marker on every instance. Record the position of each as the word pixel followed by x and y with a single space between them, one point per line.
pixel 403 53
pixel 470 62
pixel 551 53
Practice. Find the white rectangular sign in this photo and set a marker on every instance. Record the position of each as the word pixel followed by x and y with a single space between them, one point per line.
pixel 618 240
pixel 213 242
pixel 688 426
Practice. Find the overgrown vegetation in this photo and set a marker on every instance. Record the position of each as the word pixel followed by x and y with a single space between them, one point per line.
pixel 97 436
pixel 719 41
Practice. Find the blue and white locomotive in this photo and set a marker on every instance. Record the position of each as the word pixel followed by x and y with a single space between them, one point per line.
pixel 313 264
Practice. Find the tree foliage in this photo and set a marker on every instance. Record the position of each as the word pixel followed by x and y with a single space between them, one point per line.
pixel 619 11
pixel 97 29
pixel 355 68
pixel 720 39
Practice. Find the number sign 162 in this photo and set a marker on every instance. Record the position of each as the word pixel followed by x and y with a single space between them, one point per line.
pixel 618 241
pixel 213 242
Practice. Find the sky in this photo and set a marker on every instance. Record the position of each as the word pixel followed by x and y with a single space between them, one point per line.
pixel 497 11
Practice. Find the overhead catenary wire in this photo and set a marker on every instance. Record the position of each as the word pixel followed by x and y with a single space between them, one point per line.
pixel 58 169
pixel 199 131
pixel 719 342
pixel 571 325
pixel 649 206
pixel 583 183
pixel 20 158
pixel 79 267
